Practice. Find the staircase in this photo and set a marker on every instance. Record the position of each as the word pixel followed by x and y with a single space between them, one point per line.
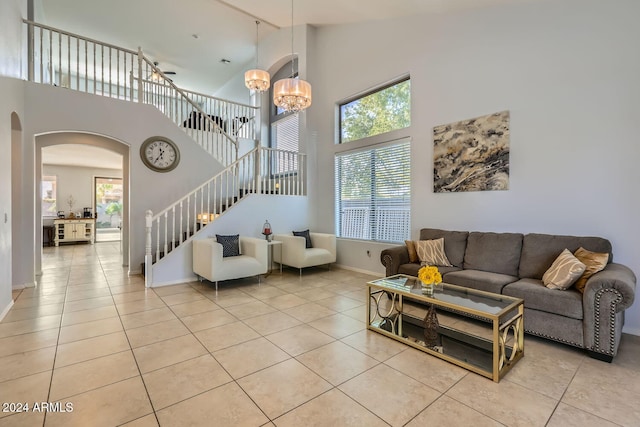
pixel 78 63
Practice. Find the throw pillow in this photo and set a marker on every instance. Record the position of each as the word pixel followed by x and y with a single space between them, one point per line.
pixel 411 248
pixel 431 252
pixel 595 261
pixel 564 271
pixel 230 244
pixel 307 237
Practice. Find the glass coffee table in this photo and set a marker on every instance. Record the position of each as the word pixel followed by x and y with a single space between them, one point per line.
pixel 480 331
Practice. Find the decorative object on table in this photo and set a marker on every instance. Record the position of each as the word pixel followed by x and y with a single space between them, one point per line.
pixel 267 231
pixel 472 155
pixel 431 325
pixel 429 276
pixel 61 214
pixel 160 154
pixel 71 201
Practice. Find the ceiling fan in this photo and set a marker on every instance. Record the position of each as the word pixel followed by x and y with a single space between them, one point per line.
pixel 156 77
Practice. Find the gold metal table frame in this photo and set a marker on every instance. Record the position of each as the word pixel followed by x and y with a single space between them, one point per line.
pixel 385 315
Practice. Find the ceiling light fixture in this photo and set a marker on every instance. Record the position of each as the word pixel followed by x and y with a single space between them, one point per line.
pixel 292 94
pixel 257 79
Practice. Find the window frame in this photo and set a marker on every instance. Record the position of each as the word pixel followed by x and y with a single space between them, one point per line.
pixel 364 94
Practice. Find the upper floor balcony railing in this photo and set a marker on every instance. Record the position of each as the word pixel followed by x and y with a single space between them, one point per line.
pixel 64 59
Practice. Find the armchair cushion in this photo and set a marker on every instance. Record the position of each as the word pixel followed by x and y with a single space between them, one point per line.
pixel 230 244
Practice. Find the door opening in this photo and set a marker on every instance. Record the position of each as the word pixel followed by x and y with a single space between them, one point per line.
pixel 108 209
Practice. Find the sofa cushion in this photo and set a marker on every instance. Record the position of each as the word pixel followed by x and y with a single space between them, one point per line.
pixel 536 296
pixel 481 280
pixel 564 271
pixel 494 252
pixel 455 243
pixel 539 251
pixel 593 261
pixel 411 250
pixel 431 252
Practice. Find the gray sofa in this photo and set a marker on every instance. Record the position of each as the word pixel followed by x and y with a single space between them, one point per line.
pixel 513 264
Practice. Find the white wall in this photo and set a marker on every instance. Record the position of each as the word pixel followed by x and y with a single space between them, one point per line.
pixel 11 101
pixel 11 28
pixel 568 72
pixel 78 182
pixel 52 109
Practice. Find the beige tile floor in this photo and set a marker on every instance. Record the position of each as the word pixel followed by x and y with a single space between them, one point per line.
pixel 285 352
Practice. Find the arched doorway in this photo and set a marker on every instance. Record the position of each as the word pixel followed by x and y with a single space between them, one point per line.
pixel 82 141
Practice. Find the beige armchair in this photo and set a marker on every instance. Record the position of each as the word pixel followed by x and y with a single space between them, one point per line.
pixel 296 254
pixel 209 263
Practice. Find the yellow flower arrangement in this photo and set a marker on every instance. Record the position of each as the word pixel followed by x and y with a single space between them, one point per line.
pixel 429 274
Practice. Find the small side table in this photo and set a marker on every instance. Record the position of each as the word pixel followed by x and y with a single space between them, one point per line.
pixel 271 244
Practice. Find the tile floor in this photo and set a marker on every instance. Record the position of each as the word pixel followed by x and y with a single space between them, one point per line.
pixel 286 352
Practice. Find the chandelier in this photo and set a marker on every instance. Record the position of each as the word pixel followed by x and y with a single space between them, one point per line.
pixel 257 79
pixel 292 94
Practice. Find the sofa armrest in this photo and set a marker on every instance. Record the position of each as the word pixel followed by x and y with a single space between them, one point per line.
pixel 606 295
pixel 324 241
pixel 392 258
pixel 617 278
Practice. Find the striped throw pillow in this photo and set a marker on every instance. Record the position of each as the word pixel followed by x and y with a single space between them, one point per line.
pixel 564 271
pixel 431 252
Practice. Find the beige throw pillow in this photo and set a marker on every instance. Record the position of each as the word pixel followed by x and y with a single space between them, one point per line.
pixel 564 271
pixel 431 252
pixel 411 248
pixel 595 261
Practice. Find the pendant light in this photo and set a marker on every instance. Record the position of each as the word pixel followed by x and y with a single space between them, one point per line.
pixel 292 94
pixel 257 79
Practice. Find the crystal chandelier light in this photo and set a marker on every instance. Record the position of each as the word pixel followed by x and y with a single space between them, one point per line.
pixel 257 79
pixel 292 94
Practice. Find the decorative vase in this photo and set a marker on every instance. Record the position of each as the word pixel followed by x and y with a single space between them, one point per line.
pixel 427 288
pixel 431 325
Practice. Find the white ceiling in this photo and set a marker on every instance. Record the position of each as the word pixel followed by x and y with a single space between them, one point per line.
pixel 190 37
pixel 165 29
pixel 81 155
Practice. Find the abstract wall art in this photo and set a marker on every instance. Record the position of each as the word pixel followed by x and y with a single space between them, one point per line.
pixel 472 155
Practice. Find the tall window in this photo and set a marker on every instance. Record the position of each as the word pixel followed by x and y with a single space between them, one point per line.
pixel 48 191
pixel 284 127
pixel 379 111
pixel 373 182
pixel 373 193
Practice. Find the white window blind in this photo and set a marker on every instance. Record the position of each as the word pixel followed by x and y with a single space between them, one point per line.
pixel 285 137
pixel 373 193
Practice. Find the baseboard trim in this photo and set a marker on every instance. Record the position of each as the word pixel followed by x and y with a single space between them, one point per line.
pixel 175 282
pixel 358 270
pixel 6 310
pixel 21 286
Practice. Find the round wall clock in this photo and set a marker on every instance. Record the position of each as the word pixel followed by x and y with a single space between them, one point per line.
pixel 160 154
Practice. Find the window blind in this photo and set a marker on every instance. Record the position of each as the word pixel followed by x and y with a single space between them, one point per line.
pixel 373 193
pixel 285 137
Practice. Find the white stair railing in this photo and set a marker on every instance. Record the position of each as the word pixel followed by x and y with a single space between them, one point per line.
pixel 238 120
pixel 255 172
pixel 79 63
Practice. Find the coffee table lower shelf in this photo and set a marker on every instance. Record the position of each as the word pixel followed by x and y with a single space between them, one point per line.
pixel 485 343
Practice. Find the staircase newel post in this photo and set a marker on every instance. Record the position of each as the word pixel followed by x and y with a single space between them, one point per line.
pixel 140 91
pixel 148 257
